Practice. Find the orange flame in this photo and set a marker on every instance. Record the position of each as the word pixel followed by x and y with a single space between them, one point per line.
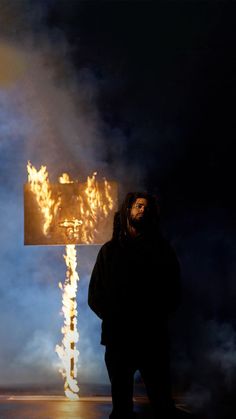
pixel 64 178
pixel 39 185
pixel 67 352
pixel 99 203
pixel 94 203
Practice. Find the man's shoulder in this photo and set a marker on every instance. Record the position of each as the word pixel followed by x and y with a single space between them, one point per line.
pixel 108 246
pixel 107 250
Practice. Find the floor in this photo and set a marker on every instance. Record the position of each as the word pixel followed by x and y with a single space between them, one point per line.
pixel 58 407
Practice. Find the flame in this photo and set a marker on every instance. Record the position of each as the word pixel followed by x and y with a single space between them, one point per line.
pixel 65 178
pixel 93 204
pixel 99 203
pixel 107 187
pixel 39 185
pixel 67 352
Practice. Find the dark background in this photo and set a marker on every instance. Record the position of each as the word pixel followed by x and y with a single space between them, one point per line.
pixel 161 77
pixel 166 80
pixel 166 76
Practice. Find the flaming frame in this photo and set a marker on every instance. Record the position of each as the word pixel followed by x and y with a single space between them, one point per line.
pixel 68 213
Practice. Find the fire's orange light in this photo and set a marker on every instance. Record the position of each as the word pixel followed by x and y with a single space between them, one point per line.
pixel 67 351
pixel 67 212
pixel 39 184
pixel 92 206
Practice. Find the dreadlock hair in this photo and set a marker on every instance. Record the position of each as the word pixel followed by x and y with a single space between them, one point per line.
pixel 120 226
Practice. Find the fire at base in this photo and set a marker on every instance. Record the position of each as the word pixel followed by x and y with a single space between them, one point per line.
pixel 68 213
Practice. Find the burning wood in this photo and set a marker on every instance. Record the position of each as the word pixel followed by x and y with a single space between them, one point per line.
pixel 68 213
pixel 67 352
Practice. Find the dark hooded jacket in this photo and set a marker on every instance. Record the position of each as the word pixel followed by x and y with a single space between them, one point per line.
pixel 135 285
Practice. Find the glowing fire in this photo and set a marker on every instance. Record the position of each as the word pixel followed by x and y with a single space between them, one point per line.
pixel 67 352
pixel 39 184
pixel 65 178
pixel 93 204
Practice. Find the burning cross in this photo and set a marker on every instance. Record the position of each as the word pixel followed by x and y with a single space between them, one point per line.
pixel 68 213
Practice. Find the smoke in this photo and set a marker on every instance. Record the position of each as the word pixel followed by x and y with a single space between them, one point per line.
pixel 203 332
pixel 211 372
pixel 48 115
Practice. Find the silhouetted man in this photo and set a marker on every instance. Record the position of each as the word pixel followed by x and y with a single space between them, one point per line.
pixel 135 285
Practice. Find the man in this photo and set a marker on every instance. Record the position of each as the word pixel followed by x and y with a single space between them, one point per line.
pixel 135 285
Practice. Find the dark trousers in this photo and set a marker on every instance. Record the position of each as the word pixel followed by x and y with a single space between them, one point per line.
pixel 153 365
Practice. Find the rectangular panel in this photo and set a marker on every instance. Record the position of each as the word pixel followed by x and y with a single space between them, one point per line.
pixel 75 213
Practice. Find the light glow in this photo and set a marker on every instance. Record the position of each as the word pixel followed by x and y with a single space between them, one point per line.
pixel 67 351
pixel 92 205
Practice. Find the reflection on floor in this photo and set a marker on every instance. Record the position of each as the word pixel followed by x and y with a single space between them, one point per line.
pixel 26 406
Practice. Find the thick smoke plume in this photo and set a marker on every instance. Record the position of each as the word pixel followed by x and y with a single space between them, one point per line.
pixel 48 115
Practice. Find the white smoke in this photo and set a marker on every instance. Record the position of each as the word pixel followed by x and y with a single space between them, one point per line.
pixel 48 116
